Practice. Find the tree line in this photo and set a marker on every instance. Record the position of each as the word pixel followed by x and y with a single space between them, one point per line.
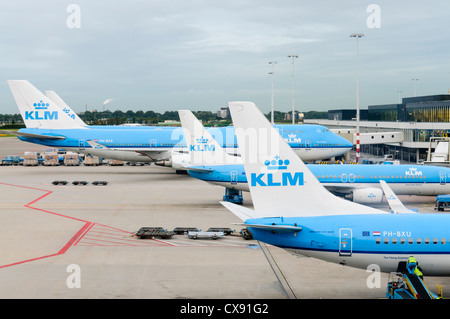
pixel 151 118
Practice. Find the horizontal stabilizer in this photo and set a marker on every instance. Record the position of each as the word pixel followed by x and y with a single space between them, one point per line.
pixel 279 228
pixel 240 211
pixel 38 136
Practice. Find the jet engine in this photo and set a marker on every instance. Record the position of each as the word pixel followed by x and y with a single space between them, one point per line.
pixel 167 163
pixel 366 195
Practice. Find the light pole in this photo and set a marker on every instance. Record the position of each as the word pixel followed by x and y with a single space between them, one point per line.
pixel 399 98
pixel 357 36
pixel 293 56
pixel 273 74
pixel 415 81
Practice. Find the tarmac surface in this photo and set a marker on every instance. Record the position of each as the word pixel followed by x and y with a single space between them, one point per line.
pixel 77 241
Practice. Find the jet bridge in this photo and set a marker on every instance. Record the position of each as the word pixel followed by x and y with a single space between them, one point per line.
pixel 440 156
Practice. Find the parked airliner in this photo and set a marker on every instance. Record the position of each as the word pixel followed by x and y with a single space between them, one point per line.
pixel 359 183
pixel 293 210
pixel 47 124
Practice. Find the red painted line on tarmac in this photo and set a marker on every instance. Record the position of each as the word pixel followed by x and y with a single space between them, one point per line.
pixel 79 238
pixel 74 238
pixel 70 243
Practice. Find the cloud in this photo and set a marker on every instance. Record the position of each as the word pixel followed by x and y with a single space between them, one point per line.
pixel 199 54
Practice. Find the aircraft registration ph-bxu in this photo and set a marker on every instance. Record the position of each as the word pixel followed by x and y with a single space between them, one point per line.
pixel 298 213
pixel 50 122
pixel 359 183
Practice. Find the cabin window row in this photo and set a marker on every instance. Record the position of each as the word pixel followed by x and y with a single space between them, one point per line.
pixel 411 241
pixel 145 144
pixel 377 177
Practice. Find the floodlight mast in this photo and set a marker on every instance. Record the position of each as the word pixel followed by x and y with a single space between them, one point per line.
pixel 293 56
pixel 357 36
pixel 272 107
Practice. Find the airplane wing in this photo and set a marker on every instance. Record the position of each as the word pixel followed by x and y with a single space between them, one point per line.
pixel 38 136
pixel 157 155
pixel 394 203
pixel 96 145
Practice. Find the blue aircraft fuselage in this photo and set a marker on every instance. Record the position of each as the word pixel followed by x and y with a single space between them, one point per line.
pixel 403 179
pixel 315 139
pixel 361 240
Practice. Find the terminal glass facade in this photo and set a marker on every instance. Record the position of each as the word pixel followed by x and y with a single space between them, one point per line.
pixel 383 114
pixel 429 113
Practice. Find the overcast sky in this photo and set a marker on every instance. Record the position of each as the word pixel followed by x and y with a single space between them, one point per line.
pixel 200 54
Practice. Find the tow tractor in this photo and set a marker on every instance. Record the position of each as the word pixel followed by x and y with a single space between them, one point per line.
pixel 442 202
pixel 233 196
pixel 409 286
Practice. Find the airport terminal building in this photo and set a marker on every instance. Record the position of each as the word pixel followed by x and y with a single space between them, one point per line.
pixel 420 120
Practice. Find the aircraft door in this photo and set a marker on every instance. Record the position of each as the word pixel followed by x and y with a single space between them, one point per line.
pixel 443 178
pixel 345 242
pixel 233 177
pixel 308 145
pixel 81 145
pixel 153 143
pixel 280 130
pixel 344 178
pixel 351 178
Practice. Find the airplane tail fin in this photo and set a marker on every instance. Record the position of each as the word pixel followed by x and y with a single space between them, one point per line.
pixel 63 106
pixel 280 183
pixel 203 147
pixel 37 110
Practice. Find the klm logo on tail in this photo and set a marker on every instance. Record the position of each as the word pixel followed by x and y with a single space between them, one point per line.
pixel 40 112
pixel 274 179
pixel 202 145
pixel 68 112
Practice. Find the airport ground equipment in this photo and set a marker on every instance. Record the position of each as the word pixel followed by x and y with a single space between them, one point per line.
pixel 11 160
pixel 205 235
pixel 233 196
pixel 225 230
pixel 408 286
pixel 71 159
pixel 183 230
pixel 246 234
pixel 59 182
pixel 116 163
pixel 150 232
pixel 103 183
pixel 80 183
pixel 442 202
pixel 51 159
pixel 90 160
pixel 30 159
